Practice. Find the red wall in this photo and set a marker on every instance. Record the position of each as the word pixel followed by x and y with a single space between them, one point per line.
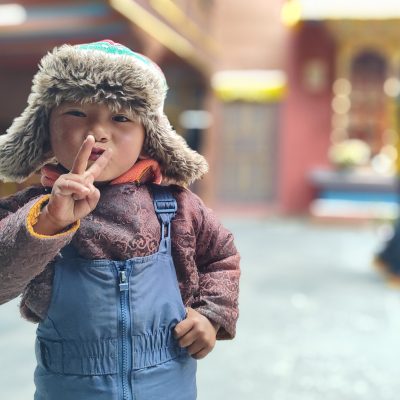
pixel 306 117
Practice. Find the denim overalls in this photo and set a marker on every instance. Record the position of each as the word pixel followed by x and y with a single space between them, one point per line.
pixel 108 334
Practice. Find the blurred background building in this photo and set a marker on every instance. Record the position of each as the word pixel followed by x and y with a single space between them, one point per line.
pixel 294 103
pixel 342 108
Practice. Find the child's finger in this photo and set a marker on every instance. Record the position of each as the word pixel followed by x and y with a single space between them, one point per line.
pixel 81 160
pixel 93 197
pixel 97 167
pixel 195 347
pixel 69 187
pixel 183 328
pixel 188 339
pixel 201 354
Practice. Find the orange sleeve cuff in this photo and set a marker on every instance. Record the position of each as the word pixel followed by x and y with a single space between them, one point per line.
pixel 33 216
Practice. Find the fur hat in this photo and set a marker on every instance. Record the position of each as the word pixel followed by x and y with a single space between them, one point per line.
pixel 104 72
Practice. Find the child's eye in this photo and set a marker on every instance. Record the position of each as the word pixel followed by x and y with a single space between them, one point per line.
pixel 76 113
pixel 120 118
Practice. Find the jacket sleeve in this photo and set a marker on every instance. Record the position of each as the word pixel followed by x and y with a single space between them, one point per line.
pixel 217 261
pixel 23 253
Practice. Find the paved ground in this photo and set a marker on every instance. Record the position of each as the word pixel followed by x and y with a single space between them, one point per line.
pixel 316 321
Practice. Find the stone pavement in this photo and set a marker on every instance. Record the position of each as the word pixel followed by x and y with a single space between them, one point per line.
pixel 316 321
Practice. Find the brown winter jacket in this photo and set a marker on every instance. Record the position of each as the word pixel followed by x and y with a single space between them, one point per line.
pixel 122 226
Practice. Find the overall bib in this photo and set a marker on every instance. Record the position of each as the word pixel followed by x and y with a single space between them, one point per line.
pixel 108 334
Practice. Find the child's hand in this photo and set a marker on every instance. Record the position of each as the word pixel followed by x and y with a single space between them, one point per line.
pixel 197 333
pixel 73 195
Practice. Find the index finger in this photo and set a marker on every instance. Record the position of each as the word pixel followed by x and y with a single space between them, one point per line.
pixel 82 158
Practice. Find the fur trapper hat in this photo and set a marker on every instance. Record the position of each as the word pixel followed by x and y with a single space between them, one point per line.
pixel 104 72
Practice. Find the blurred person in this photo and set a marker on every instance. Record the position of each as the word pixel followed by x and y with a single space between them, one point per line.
pixel 387 260
pixel 130 281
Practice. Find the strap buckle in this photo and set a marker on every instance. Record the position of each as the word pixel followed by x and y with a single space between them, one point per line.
pixel 165 206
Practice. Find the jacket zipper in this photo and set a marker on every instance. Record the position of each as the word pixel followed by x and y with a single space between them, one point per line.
pixel 125 340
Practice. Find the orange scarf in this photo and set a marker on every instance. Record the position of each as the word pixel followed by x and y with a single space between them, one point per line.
pixel 143 171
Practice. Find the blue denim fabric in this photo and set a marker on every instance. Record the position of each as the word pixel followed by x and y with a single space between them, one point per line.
pixel 109 331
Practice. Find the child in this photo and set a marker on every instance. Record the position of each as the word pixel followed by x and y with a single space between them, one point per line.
pixel 130 281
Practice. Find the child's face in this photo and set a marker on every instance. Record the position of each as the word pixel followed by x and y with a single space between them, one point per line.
pixel 71 123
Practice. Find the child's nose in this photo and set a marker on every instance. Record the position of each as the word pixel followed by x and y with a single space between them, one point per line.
pixel 99 132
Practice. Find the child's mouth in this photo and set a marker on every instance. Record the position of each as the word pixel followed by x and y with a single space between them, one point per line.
pixel 96 153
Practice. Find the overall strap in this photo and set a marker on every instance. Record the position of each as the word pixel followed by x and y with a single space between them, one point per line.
pixel 165 207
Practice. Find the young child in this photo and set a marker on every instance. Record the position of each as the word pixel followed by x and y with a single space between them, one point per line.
pixel 130 281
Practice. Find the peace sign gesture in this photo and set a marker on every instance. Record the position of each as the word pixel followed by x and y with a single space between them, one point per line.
pixel 73 195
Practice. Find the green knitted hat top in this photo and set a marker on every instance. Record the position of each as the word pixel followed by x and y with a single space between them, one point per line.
pixel 110 47
pixel 100 72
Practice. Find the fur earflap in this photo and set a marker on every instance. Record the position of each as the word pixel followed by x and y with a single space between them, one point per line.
pixel 104 72
pixel 177 160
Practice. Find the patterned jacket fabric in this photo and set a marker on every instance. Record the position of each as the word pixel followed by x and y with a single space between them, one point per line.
pixel 122 226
